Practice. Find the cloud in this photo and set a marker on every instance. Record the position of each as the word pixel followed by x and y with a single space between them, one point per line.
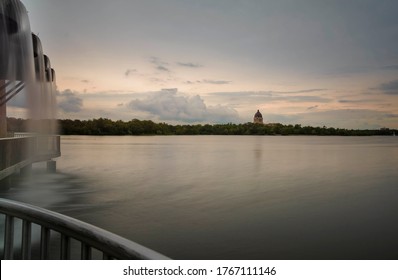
pixel 160 64
pixel 304 98
pixel 268 96
pixel 390 67
pixel 301 91
pixel 69 102
pixel 312 107
pixel 215 82
pixel 129 71
pixel 168 105
pixel 354 101
pixel 389 87
pixel 206 81
pixel 189 64
pixel 85 81
pixel 162 68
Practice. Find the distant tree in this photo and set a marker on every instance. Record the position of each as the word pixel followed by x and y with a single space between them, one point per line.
pixel 103 126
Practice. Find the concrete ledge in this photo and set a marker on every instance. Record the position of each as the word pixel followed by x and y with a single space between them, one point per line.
pixel 17 153
pixel 14 169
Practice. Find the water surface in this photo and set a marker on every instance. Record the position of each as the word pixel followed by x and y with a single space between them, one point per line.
pixel 232 197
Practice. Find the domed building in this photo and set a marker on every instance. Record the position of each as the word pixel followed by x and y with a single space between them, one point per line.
pixel 258 118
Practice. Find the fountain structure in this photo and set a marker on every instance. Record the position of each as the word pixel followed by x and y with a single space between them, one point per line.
pixel 27 79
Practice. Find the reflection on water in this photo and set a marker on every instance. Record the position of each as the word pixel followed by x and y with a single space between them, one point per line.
pixel 231 197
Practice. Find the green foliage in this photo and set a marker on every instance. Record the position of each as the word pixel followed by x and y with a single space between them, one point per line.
pixel 145 127
pixel 103 126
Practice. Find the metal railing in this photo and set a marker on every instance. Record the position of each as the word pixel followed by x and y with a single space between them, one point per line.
pixel 91 238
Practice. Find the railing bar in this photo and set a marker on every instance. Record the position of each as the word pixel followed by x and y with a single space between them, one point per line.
pixel 26 240
pixel 86 253
pixel 45 243
pixel 9 238
pixel 65 247
pixel 113 245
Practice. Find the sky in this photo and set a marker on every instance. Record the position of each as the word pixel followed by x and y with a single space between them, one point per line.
pixel 310 62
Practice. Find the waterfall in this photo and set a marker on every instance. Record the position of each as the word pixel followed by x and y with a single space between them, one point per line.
pixel 26 77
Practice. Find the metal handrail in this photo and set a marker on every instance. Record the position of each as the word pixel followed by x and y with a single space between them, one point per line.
pixel 111 245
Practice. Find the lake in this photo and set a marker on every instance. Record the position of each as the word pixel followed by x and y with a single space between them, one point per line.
pixel 231 197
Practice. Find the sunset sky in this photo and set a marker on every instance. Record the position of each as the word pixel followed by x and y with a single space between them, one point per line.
pixel 332 63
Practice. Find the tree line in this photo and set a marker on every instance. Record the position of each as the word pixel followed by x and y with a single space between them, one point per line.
pixel 103 126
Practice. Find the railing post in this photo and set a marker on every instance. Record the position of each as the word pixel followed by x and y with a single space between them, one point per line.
pixel 45 243
pixel 86 252
pixel 26 240
pixel 9 238
pixel 65 247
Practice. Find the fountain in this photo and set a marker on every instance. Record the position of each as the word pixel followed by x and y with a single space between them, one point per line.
pixel 25 70
pixel 25 73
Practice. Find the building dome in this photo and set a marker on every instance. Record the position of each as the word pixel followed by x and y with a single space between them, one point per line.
pixel 258 117
pixel 258 114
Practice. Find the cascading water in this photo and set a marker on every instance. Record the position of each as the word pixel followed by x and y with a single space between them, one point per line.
pixel 41 105
pixel 25 72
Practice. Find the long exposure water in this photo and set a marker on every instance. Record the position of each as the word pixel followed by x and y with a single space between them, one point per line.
pixel 231 197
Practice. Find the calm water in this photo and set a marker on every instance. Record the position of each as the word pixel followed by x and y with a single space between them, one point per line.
pixel 232 197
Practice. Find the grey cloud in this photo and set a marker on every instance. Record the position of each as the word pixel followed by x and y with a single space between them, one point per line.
pixel 85 81
pixel 301 91
pixel 159 64
pixel 215 82
pixel 68 101
pixel 170 106
pixel 129 71
pixel 162 68
pixel 353 101
pixel 304 98
pixel 269 96
pixel 389 87
pixel 348 101
pixel 390 67
pixel 170 90
pixel 312 107
pixel 206 81
pixel 190 64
